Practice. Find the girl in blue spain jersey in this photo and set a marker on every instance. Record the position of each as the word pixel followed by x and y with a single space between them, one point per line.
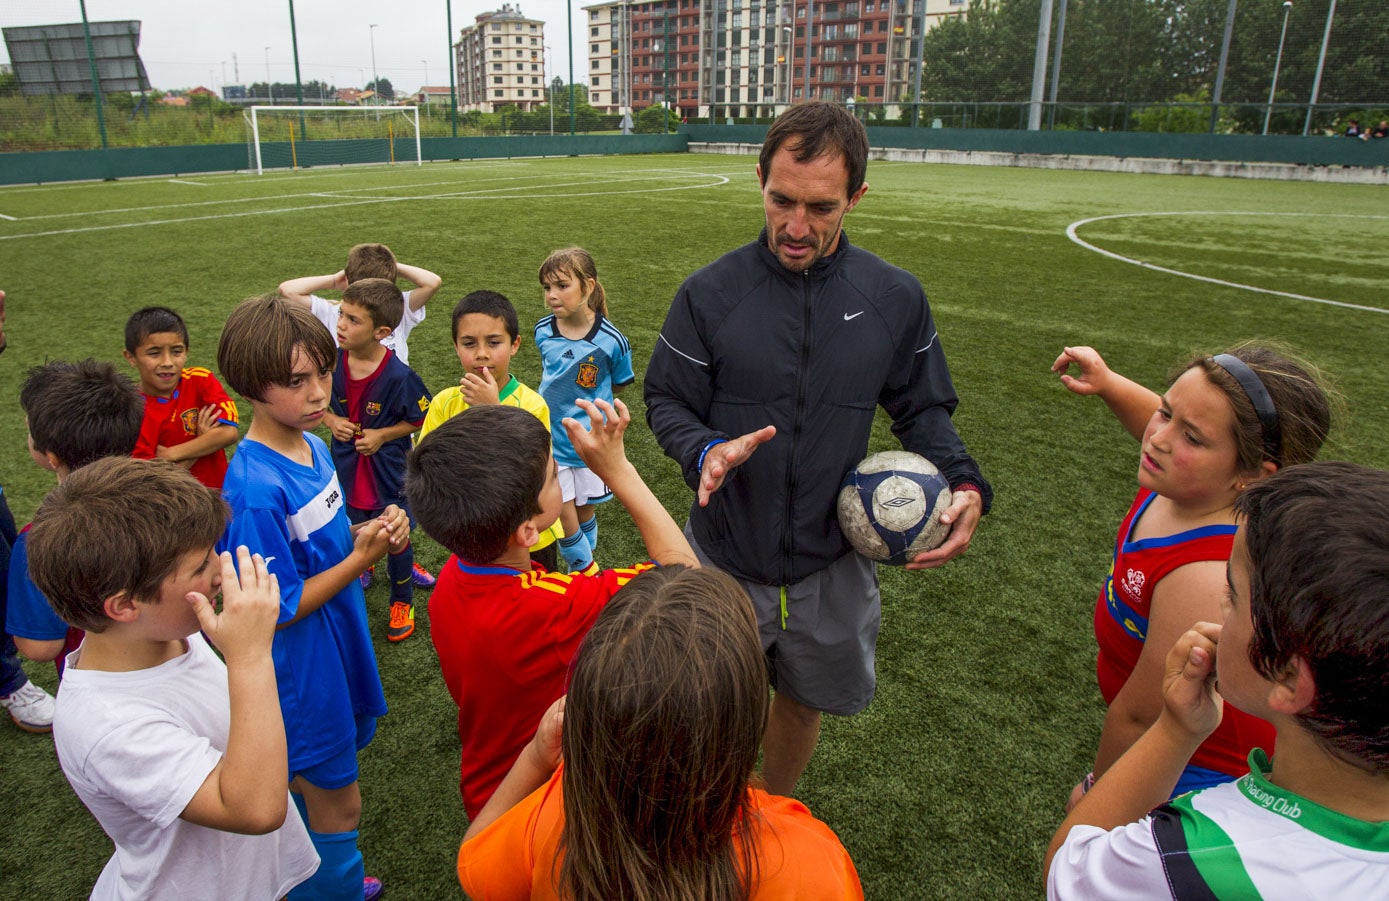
pixel 584 356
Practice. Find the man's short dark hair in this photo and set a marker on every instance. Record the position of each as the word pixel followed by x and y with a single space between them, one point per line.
pixel 1318 541
pixel 380 298
pixel 119 525
pixel 81 412
pixel 818 129
pixel 256 351
pixel 488 303
pixel 473 480
pixel 153 321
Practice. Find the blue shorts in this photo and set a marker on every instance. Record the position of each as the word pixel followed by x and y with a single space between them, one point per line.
pixel 340 770
pixel 1195 778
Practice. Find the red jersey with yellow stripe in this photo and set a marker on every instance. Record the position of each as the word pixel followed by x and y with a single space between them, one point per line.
pixel 1121 625
pixel 505 639
pixel 173 420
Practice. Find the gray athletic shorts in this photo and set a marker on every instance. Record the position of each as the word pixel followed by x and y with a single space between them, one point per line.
pixel 822 656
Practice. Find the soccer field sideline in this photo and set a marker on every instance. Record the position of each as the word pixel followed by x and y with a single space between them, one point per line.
pixel 950 784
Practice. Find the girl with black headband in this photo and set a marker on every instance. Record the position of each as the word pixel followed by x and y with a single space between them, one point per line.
pixel 1225 422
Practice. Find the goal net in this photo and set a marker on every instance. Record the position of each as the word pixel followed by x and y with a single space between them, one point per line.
pixel 285 137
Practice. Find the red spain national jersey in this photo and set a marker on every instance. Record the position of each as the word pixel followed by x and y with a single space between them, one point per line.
pixel 173 420
pixel 1121 625
pixel 505 639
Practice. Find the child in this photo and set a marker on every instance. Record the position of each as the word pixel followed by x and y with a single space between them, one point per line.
pixel 485 486
pixel 584 356
pixel 188 417
pixel 180 758
pixel 1225 422
pixel 367 261
pixel 658 735
pixel 378 402
pixel 486 335
pixel 77 413
pixel 287 503
pixel 1305 645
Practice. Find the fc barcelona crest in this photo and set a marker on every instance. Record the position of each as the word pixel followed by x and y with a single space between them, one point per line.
pixel 588 376
pixel 373 408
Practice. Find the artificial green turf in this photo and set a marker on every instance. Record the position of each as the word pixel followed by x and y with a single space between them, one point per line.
pixel 952 781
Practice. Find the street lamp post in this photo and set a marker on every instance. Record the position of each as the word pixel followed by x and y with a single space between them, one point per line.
pixel 267 77
pixel 550 89
pixel 790 51
pixel 375 81
pixel 1321 62
pixel 1277 62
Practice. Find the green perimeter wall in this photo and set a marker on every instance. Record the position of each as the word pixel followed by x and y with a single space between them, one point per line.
pixel 131 162
pixel 1309 151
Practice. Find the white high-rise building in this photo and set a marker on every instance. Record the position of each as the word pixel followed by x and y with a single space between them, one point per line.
pixel 501 61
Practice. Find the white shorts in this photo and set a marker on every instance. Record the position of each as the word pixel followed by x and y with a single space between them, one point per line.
pixel 580 485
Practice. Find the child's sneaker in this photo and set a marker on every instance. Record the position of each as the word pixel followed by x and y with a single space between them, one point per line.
pixel 366 577
pixel 402 621
pixel 372 888
pixel 30 707
pixel 421 578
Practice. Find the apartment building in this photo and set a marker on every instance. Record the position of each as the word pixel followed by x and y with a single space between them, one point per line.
pixel 739 58
pixel 501 61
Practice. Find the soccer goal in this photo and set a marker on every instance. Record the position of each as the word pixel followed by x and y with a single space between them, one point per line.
pixel 292 137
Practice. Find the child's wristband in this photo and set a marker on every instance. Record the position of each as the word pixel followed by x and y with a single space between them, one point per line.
pixel 1087 783
pixel 699 466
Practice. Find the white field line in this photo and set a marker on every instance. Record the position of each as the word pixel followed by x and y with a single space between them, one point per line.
pixel 184 181
pixel 1074 226
pixel 488 194
pixel 10 218
pixel 347 193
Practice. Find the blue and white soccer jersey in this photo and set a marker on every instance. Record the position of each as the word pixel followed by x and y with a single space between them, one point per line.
pixel 295 516
pixel 1244 839
pixel 589 368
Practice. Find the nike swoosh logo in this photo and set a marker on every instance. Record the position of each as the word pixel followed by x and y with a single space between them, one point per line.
pixel 848 316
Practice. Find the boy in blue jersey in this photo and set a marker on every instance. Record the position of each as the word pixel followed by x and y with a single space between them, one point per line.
pixel 1304 645
pixel 77 413
pixel 288 505
pixel 377 403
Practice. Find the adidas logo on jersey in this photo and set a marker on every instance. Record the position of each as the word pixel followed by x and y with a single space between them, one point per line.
pixel 567 355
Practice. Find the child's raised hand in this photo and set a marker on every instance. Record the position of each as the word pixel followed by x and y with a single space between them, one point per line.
pixel 546 746
pixel 1094 372
pixel 600 447
pixel 397 525
pixel 478 390
pixel 369 441
pixel 1189 694
pixel 250 607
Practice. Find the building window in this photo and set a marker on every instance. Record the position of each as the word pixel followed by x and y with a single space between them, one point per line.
pixel 496 67
pixel 592 48
pixel 595 64
pixel 499 93
pixel 593 32
pixel 496 39
pixel 496 79
pixel 597 80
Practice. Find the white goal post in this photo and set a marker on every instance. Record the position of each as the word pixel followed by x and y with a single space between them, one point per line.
pixel 299 136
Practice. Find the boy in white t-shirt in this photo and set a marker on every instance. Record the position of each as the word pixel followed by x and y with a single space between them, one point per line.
pixel 180 758
pixel 1304 645
pixel 367 261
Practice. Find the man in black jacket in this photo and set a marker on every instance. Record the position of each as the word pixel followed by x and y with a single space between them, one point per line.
pixel 763 387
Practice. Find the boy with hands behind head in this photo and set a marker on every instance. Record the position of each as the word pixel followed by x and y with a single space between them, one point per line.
pixel 1304 645
pixel 181 758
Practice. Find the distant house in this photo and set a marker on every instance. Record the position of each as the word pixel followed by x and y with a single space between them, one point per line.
pixel 199 91
pixel 353 96
pixel 431 95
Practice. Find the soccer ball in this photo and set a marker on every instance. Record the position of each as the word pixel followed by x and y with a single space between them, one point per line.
pixel 890 507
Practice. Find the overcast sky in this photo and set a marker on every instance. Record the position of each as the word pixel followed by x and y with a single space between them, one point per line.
pixel 185 43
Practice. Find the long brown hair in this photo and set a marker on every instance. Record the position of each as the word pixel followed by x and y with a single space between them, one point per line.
pixel 577 263
pixel 666 709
